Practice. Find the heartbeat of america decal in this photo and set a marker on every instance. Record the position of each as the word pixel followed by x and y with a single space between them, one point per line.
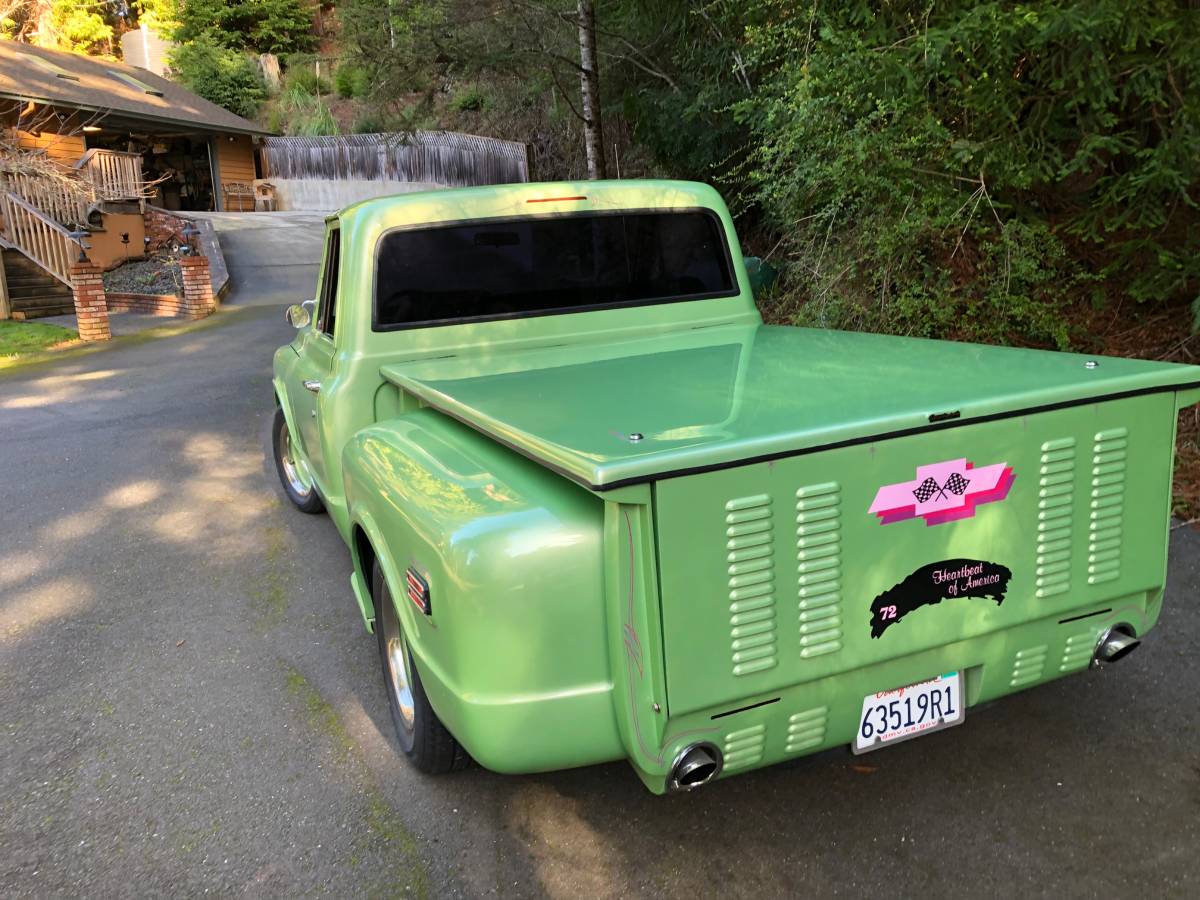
pixel 931 584
pixel 943 492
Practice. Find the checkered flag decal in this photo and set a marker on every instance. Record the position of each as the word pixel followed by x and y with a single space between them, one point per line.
pixel 957 484
pixel 925 490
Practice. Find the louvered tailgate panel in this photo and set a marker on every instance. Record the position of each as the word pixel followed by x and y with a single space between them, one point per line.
pixel 773 574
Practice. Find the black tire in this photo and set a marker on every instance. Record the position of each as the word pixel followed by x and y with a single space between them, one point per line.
pixel 307 501
pixel 422 736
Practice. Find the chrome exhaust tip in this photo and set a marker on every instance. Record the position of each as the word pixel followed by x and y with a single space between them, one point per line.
pixel 695 766
pixel 1116 643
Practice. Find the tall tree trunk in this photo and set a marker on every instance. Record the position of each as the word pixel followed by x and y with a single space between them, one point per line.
pixel 589 82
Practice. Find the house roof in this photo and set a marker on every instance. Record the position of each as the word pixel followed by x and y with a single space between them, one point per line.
pixel 106 86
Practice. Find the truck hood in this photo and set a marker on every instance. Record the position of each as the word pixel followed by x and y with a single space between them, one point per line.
pixel 608 414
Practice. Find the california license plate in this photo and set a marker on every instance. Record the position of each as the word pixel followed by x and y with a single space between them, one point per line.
pixel 908 712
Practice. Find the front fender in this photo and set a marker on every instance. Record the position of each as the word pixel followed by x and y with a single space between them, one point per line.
pixel 284 357
pixel 514 655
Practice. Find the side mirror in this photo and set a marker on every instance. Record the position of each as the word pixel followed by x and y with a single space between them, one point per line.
pixel 299 315
pixel 761 274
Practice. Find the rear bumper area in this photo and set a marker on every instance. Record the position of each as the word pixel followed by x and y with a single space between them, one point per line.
pixel 806 718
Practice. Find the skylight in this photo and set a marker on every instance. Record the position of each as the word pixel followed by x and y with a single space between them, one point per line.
pixel 133 82
pixel 58 71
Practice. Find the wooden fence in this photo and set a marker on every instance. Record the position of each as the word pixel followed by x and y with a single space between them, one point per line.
pixel 433 157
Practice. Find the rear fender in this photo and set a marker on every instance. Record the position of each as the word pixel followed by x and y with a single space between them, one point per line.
pixel 515 644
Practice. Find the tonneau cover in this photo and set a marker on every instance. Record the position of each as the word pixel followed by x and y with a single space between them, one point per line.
pixel 609 414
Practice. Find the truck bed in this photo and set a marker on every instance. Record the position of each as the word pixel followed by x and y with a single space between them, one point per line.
pixel 642 408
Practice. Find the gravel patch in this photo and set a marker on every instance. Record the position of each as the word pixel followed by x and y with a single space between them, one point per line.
pixel 158 274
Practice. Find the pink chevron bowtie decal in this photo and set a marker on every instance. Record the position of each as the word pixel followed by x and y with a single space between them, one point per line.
pixel 943 492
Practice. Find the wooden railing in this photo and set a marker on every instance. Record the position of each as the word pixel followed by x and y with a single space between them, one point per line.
pixel 47 243
pixel 50 196
pixel 114 175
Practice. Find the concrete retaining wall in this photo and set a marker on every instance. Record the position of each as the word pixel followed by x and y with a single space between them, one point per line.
pixel 322 195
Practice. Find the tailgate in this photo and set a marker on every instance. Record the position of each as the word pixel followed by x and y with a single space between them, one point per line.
pixel 777 573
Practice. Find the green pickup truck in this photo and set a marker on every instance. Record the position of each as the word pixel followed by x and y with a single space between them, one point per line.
pixel 598 510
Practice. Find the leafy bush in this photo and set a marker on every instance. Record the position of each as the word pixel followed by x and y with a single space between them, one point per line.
pixel 301 75
pixel 352 81
pixel 470 98
pixel 264 26
pixel 298 112
pixel 226 77
pixel 316 120
pixel 370 122
pixel 955 168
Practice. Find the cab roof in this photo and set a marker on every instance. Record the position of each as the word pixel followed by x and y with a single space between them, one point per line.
pixel 535 198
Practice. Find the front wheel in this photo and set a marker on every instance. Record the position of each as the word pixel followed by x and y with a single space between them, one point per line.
pixel 293 474
pixel 423 737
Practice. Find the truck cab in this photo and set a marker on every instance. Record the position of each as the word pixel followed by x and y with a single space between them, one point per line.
pixel 598 510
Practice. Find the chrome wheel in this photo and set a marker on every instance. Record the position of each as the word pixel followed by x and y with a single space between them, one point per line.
pixel 398 666
pixel 292 468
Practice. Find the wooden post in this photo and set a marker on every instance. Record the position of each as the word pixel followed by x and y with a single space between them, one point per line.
pixel 5 305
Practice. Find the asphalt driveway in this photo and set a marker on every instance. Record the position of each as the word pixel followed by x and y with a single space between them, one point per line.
pixel 272 258
pixel 189 704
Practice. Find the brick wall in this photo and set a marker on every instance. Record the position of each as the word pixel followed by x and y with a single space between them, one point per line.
pixel 162 228
pixel 153 304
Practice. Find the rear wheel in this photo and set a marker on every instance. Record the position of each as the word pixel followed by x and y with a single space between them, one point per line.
pixel 293 473
pixel 423 737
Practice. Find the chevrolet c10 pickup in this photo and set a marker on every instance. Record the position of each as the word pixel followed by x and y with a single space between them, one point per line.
pixel 598 510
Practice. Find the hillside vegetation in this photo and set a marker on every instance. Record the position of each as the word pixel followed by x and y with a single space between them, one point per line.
pixel 989 170
pixel 964 169
pixel 1009 172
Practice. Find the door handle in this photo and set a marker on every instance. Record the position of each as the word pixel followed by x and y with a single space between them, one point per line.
pixel 314 386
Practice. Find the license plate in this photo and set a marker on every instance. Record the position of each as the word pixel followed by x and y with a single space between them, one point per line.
pixel 907 712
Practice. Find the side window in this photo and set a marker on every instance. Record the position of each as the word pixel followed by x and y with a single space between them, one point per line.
pixel 327 312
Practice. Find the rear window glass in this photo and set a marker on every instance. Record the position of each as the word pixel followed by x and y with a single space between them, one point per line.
pixel 498 269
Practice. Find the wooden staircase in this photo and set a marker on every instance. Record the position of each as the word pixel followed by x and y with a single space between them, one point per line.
pixel 32 291
pixel 44 226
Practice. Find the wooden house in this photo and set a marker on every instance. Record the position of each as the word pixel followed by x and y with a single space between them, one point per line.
pixel 131 137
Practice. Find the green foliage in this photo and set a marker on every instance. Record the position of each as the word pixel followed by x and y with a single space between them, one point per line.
pixel 60 25
pixel 397 42
pixel 298 112
pixel 301 75
pixel 407 119
pixel 370 122
pixel 961 169
pixel 352 81
pixel 957 163
pixel 79 28
pixel 470 98
pixel 262 26
pixel 226 77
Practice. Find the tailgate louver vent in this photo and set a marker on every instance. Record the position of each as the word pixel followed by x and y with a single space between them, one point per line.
pixel 1056 495
pixel 744 747
pixel 819 550
pixel 1028 666
pixel 1107 506
pixel 1078 651
pixel 806 729
pixel 751 557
